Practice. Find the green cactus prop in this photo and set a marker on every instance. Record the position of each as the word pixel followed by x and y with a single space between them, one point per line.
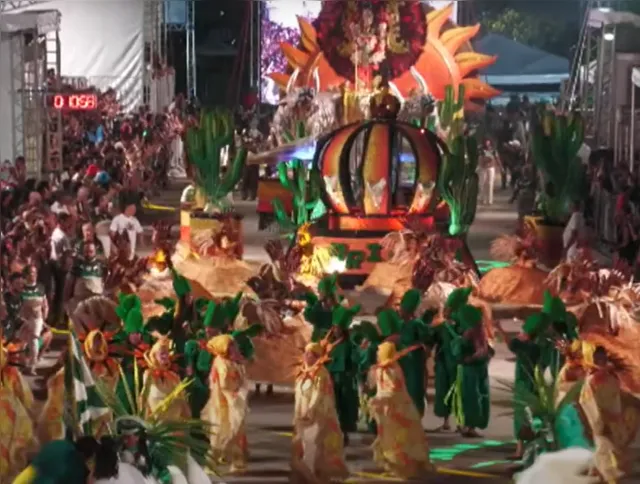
pixel 204 145
pixel 557 139
pixel 458 183
pixel 450 113
pixel 307 205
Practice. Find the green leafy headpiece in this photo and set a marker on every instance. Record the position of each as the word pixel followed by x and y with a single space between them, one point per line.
pixel 342 316
pixel 134 322
pixel 410 301
pixel 389 322
pixel 458 298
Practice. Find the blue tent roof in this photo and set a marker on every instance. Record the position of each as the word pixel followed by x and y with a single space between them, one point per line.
pixel 520 64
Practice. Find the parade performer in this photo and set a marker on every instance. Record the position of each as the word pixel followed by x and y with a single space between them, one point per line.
pixel 198 359
pixel 34 311
pixel 67 462
pixel 562 325
pixel 401 446
pixel 132 339
pixel 469 396
pixel 414 332
pixel 319 307
pixel 101 357
pixel 228 404
pixel 613 429
pixel 16 400
pixel 161 378
pixel 527 349
pixel 318 451
pixel 443 336
pixel 343 363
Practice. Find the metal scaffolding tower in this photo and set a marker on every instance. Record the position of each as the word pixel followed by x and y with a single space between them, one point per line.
pixel 35 74
pixel 7 6
pixel 189 28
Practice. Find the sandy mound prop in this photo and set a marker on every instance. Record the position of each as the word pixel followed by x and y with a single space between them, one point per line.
pixel 220 277
pixel 277 357
pixel 515 285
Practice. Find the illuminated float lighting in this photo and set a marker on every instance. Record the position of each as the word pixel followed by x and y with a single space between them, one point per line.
pixel 609 36
pixel 336 266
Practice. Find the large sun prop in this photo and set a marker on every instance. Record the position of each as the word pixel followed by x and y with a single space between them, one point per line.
pixel 351 43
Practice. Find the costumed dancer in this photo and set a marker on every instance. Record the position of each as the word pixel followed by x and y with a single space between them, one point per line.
pixel 101 359
pixel 414 331
pixel 401 445
pixel 67 462
pixel 470 393
pixel 133 340
pixel 443 337
pixel 527 349
pixel 34 311
pixel 160 380
pixel 318 451
pixel 198 359
pixel 228 404
pixel 343 363
pixel 16 425
pixel 561 326
pixel 613 429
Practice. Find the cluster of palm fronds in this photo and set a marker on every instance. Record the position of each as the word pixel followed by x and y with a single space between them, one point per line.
pixel 174 439
pixel 542 405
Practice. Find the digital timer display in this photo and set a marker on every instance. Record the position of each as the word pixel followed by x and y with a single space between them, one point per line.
pixel 75 102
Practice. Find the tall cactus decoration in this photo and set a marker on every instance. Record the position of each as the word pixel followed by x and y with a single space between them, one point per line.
pixel 557 139
pixel 458 181
pixel 451 113
pixel 205 143
pixel 307 205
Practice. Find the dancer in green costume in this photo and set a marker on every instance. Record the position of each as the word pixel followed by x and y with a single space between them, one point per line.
pixel 528 351
pixel 198 360
pixel 561 325
pixel 368 336
pixel 443 334
pixel 318 310
pixel 414 332
pixel 133 337
pixel 471 391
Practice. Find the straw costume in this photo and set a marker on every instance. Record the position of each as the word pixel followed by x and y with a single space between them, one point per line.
pixel 318 451
pixel 16 425
pixel 228 405
pixel 102 359
pixel 343 363
pixel 401 446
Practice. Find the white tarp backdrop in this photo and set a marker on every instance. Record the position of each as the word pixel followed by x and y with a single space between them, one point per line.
pixel 103 41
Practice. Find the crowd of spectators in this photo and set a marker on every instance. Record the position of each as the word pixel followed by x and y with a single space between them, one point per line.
pixel 81 216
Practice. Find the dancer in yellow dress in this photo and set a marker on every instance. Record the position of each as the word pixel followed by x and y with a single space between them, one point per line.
pixel 161 379
pixel 101 358
pixel 227 407
pixel 401 445
pixel 16 424
pixel 318 449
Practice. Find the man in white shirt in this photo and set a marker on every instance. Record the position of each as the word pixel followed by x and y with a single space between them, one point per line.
pixel 60 245
pixel 574 232
pixel 127 221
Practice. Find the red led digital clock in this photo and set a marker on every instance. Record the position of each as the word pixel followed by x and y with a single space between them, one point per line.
pixel 75 102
